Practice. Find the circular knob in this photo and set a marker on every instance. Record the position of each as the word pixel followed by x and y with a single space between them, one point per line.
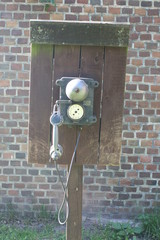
pixel 77 90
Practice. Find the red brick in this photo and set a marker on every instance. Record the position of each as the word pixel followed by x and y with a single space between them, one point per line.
pixel 114 10
pixel 83 18
pixel 137 62
pixel 31 16
pixel 151 182
pixel 152 151
pixel 43 16
pixel 13 192
pixel 144 174
pixel 125 182
pixel 153 12
pixel 96 17
pixel 153 135
pixel 151 167
pixel 150 63
pixel 76 9
pixel 16 66
pixel 25 7
pixel 135 127
pixel 142 119
pixel 138 167
pixel 82 1
pixel 149 112
pixel 108 18
pixel 155 104
pixel 150 196
pixel 63 9
pixel 18 16
pixel 137 96
pixel 140 11
pixel 134 19
pixel 156 37
pixel 15 49
pixel 121 2
pixel 69 1
pixel 6 15
pixel 101 9
pixel 145 159
pixel 143 87
pixel 155 175
pixel 156 54
pixel 136 196
pixel 137 112
pixel 108 2
pixel 143 104
pixel 137 78
pixel 12 7
pixel 144 54
pixel 131 175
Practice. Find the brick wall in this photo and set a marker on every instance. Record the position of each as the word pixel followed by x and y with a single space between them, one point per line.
pixel 127 190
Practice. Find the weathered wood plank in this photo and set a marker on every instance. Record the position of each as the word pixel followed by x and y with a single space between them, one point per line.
pixel 66 65
pixel 112 110
pixel 40 103
pixel 74 223
pixel 79 33
pixel 91 66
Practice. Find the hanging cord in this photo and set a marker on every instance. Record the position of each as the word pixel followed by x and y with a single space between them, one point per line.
pixel 65 188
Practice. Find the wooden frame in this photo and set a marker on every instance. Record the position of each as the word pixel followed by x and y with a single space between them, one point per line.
pixel 97 50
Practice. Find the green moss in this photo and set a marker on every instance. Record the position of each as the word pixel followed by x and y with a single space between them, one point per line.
pixel 40 50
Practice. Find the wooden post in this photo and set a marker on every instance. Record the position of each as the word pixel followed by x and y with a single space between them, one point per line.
pixel 75 185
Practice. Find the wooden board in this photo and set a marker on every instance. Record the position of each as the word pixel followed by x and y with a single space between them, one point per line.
pixel 79 33
pixel 112 110
pixel 74 223
pixel 40 103
pixel 66 65
pixel 84 57
pixel 91 66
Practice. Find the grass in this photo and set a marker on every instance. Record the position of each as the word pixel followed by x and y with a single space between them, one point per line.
pixel 151 225
pixel 112 231
pixel 45 227
pixel 47 232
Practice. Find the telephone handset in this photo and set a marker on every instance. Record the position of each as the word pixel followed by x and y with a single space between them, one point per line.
pixel 74 107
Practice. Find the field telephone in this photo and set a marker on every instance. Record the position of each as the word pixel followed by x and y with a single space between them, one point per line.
pixel 74 107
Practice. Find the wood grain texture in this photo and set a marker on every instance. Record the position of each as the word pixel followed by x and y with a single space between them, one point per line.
pixel 40 103
pixel 112 110
pixel 66 65
pixel 74 223
pixel 79 33
pixel 91 66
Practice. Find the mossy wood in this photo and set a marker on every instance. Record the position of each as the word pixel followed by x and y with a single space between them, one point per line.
pixel 70 55
pixel 79 33
pixel 40 102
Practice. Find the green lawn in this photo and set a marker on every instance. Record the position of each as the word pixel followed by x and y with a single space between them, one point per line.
pixel 46 228
pixel 48 232
pixel 8 232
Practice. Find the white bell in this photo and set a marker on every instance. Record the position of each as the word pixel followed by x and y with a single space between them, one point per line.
pixel 77 90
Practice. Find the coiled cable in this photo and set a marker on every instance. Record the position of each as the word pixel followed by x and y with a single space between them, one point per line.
pixel 65 188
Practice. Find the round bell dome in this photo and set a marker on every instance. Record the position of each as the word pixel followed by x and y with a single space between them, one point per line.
pixel 77 90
